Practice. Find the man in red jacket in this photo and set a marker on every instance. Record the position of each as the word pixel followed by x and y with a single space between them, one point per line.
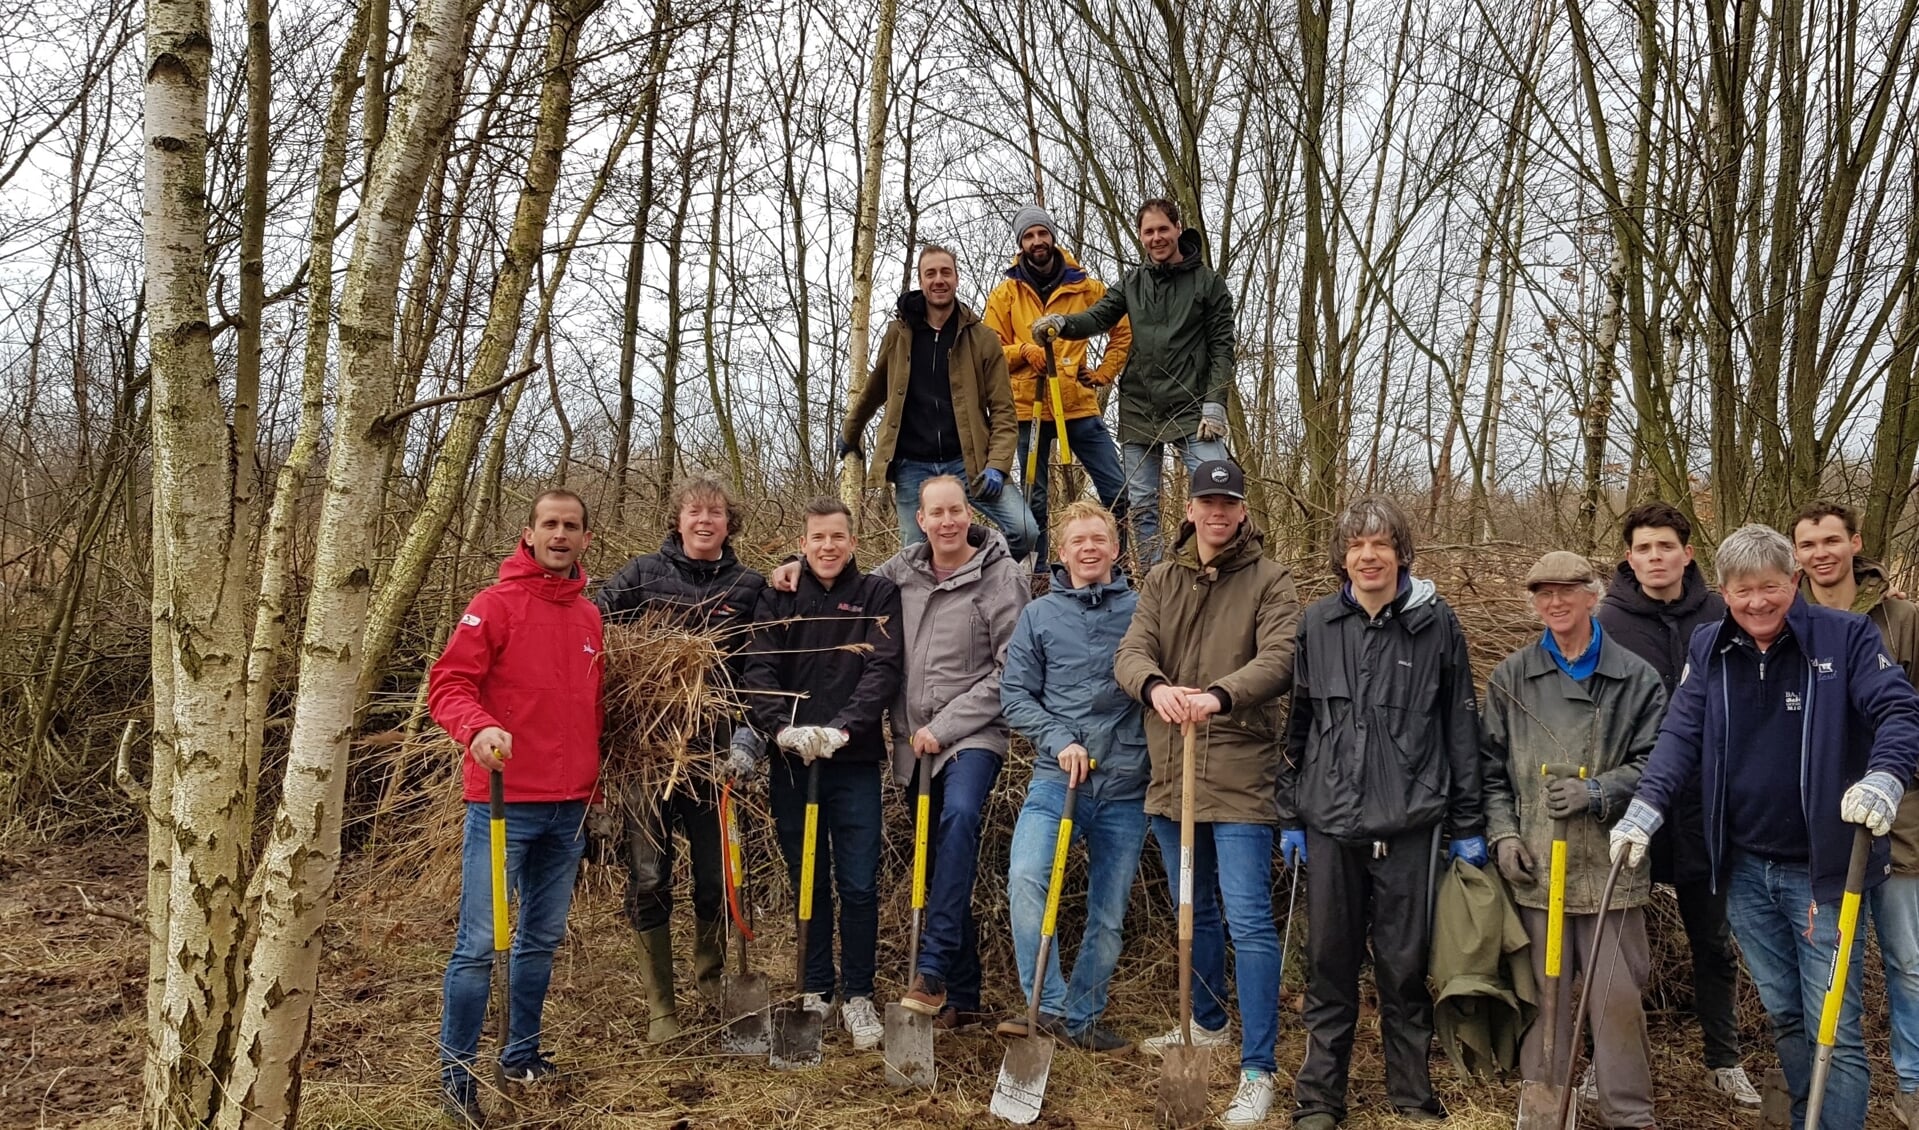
pixel 519 687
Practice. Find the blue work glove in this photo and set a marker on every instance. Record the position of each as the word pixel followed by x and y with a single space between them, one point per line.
pixel 1468 849
pixel 1872 801
pixel 991 484
pixel 844 449
pixel 1292 847
pixel 1633 833
pixel 743 754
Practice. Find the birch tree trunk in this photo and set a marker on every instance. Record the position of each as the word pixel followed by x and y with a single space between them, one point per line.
pixel 302 856
pixel 866 235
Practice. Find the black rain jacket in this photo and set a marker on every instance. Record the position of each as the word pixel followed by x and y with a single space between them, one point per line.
pixel 842 647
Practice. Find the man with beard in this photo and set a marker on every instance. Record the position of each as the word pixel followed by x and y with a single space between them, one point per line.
pixel 1045 279
pixel 949 407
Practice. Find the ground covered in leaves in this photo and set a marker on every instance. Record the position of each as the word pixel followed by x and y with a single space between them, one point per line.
pixel 72 985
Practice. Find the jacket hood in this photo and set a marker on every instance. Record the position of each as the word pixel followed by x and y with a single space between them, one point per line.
pixel 911 309
pixel 1071 271
pixel 1624 590
pixel 1414 592
pixel 1873 584
pixel 674 550
pixel 1248 545
pixel 1191 246
pixel 990 543
pixel 521 568
pixel 1093 595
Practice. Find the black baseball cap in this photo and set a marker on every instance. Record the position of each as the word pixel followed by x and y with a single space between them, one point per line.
pixel 1218 476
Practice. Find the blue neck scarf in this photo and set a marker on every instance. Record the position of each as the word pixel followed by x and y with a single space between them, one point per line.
pixel 1581 668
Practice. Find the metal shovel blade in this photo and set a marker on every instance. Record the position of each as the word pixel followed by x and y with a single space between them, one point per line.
pixel 796 1037
pixel 1183 1072
pixel 1539 1107
pixel 1022 1079
pixel 747 1019
pixel 1775 1101
pixel 909 1048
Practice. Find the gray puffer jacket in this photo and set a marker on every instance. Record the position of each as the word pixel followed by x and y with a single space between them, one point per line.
pixel 956 636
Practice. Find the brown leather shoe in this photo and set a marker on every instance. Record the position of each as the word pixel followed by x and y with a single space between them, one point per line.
pixel 1014 1028
pixel 926 996
pixel 951 1019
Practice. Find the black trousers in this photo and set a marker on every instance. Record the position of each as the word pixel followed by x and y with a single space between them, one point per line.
pixel 1715 970
pixel 651 852
pixel 1354 897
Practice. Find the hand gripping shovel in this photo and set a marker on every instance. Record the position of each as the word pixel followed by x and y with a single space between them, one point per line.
pixel 502 925
pixel 796 1028
pixel 1836 979
pixel 1543 1104
pixel 1022 1074
pixel 745 997
pixel 909 1035
pixel 1183 1067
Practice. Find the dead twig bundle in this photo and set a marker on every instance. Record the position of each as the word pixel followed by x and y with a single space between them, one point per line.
pixel 667 699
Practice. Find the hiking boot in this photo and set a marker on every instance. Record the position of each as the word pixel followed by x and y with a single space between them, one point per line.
pixel 1014 1027
pixel 535 1070
pixel 1905 1107
pixel 862 1023
pixel 1203 1037
pixel 1732 1081
pixel 1319 1120
pixel 460 1102
pixel 1104 1041
pixel 952 1018
pixel 709 958
pixel 656 971
pixel 1422 1114
pixel 1253 1099
pixel 926 996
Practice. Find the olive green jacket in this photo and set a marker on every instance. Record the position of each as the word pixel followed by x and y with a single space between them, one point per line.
pixel 1484 995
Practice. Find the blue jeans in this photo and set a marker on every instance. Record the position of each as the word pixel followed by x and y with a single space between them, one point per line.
pixel 1092 448
pixel 1008 511
pixel 544 842
pixel 1142 463
pixel 1233 864
pixel 1770 907
pixel 949 946
pixel 1113 832
pixel 847 850
pixel 1895 914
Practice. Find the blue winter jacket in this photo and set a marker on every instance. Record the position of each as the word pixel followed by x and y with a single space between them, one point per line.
pixel 1058 686
pixel 1861 715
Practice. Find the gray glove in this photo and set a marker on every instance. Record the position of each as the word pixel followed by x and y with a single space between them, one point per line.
pixel 1633 833
pixel 1048 327
pixel 1873 800
pixel 1212 422
pixel 743 755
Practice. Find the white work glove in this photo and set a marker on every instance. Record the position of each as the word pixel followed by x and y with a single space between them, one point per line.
pixel 1633 833
pixel 1872 800
pixel 811 742
pixel 1048 327
pixel 1212 422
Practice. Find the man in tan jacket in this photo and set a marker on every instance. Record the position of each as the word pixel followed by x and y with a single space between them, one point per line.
pixel 1212 643
pixel 1826 543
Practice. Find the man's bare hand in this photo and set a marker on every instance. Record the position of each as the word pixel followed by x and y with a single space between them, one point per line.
pixel 1171 703
pixel 785 577
pixel 924 743
pixel 491 747
pixel 1075 762
pixel 1201 705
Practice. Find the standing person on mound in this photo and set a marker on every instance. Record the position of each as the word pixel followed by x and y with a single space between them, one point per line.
pixel 1179 371
pixel 696 580
pixel 1059 691
pixel 1211 643
pixel 533 628
pixel 835 640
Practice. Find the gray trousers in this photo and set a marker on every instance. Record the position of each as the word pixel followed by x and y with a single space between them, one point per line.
pixel 1616 1015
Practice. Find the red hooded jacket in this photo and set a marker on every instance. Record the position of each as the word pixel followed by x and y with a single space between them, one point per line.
pixel 526 658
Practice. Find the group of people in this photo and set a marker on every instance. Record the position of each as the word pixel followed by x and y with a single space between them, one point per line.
pixel 1659 722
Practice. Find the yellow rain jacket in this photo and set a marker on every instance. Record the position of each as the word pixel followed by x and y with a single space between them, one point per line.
pixel 1011 311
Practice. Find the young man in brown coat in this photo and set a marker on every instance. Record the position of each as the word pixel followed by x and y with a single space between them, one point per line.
pixel 1211 643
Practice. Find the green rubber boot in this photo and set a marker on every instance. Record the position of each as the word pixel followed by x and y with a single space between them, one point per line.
pixel 656 969
pixel 709 958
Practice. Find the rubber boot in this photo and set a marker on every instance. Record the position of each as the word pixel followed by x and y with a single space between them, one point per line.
pixel 656 970
pixel 709 958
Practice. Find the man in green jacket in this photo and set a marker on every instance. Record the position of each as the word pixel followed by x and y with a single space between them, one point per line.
pixel 1826 543
pixel 1180 370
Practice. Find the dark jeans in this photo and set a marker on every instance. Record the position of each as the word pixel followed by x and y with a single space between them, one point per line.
pixel 949 947
pixel 1715 969
pixel 846 857
pixel 650 852
pixel 544 843
pixel 1093 449
pixel 1354 899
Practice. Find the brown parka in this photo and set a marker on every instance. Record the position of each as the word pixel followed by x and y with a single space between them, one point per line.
pixel 1226 626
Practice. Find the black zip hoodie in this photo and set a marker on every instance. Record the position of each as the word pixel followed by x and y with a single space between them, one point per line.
pixel 928 433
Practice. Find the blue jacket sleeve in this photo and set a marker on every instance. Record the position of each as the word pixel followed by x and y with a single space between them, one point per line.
pixel 1673 766
pixel 1022 685
pixel 1881 692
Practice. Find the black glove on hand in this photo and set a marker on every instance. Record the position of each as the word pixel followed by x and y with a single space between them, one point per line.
pixel 843 449
pixel 1567 797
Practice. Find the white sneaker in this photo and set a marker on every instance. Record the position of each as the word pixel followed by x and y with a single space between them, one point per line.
pixel 862 1022
pixel 1202 1038
pixel 1733 1081
pixel 817 1002
pixel 1252 1101
pixel 1588 1090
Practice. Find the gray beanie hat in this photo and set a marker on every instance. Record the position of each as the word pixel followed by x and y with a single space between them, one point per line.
pixel 1032 216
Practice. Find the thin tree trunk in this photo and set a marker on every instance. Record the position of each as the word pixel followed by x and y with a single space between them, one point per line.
pixel 866 234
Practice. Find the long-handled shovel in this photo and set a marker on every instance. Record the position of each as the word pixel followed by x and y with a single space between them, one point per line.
pixel 796 1028
pixel 1045 391
pixel 745 996
pixel 1836 983
pixel 909 1035
pixel 502 925
pixel 1544 1104
pixel 1023 1072
pixel 1183 1067
pixel 1286 942
pixel 1586 989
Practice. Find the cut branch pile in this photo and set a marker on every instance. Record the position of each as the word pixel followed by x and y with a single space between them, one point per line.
pixel 665 687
